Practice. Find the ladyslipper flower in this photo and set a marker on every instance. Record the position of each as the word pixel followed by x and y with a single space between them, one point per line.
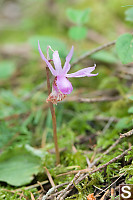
pixel 61 85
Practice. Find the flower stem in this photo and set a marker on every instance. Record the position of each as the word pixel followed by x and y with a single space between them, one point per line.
pixel 53 120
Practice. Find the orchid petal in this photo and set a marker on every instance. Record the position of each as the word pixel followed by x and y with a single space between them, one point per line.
pixel 64 85
pixel 46 61
pixel 67 66
pixel 57 62
pixel 83 72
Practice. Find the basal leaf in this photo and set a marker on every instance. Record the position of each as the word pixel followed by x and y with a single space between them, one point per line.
pixel 18 166
pixel 77 32
pixel 124 48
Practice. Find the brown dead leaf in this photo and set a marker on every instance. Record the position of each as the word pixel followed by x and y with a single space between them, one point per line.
pixel 91 197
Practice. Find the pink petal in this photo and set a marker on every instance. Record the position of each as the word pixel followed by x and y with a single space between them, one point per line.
pixel 67 66
pixel 46 61
pixel 83 72
pixel 64 85
pixel 57 62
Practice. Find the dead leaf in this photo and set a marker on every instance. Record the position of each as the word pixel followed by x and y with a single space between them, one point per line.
pixel 91 197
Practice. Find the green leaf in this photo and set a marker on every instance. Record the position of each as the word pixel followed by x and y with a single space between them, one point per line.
pixel 19 165
pixel 130 110
pixel 77 33
pixel 124 123
pixel 104 56
pixel 124 48
pixel 7 68
pixel 55 43
pixel 129 14
pixel 131 97
pixel 78 16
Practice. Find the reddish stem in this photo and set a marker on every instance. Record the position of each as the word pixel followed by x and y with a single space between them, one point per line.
pixel 53 120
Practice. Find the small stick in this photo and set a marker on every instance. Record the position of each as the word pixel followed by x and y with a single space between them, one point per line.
pixel 108 163
pixel 51 190
pixel 111 161
pixel 92 100
pixel 20 194
pixel 112 193
pixel 129 133
pixel 89 53
pixel 32 196
pixel 53 120
pixel 111 184
pixel 50 177
pixel 41 186
pixel 104 196
pixel 65 191
pixel 32 186
pixel 91 172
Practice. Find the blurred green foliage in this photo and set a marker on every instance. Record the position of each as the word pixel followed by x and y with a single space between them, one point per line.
pixel 26 138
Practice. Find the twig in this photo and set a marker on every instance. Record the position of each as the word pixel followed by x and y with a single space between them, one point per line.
pixel 110 162
pixel 50 177
pixel 53 120
pixel 19 194
pixel 54 195
pixel 92 100
pixel 32 196
pixel 103 118
pixel 41 186
pixel 82 171
pixel 112 193
pixel 64 192
pixel 111 184
pixel 129 133
pixel 82 177
pixel 51 190
pixel 106 194
pixel 88 162
pixel 33 186
pixel 89 53
pixel 108 125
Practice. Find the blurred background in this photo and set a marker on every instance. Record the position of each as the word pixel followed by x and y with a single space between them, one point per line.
pixel 24 115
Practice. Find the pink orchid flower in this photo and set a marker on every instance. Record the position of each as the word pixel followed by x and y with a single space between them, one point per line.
pixel 61 85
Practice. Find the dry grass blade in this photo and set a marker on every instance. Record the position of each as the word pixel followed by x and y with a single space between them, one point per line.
pixel 105 195
pixel 32 196
pixel 49 177
pixel 92 100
